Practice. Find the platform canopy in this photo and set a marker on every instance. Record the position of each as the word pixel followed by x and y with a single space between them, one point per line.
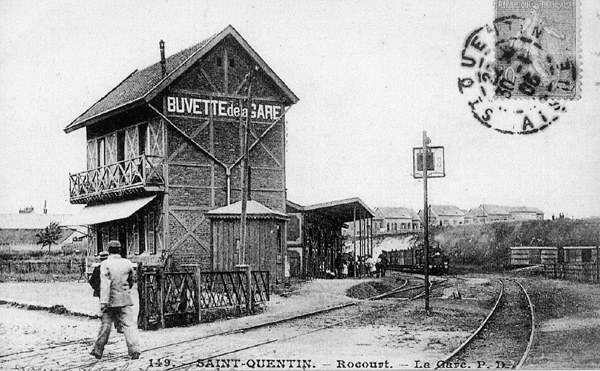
pixel 97 214
pixel 342 211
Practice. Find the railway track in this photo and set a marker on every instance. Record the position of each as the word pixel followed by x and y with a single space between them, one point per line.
pixel 504 338
pixel 336 315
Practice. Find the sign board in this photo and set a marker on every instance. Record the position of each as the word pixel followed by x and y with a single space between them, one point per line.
pixel 435 164
pixel 222 108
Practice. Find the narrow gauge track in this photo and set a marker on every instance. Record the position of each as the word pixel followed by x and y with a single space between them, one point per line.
pixel 80 346
pixel 333 321
pixel 504 338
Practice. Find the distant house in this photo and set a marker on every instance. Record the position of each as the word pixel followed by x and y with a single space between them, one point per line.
pixel 18 231
pixel 487 213
pixel 469 218
pixel 526 213
pixel 445 215
pixel 395 219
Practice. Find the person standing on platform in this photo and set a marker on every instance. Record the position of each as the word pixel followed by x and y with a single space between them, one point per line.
pixel 383 263
pixel 339 264
pixel 116 280
pixel 95 277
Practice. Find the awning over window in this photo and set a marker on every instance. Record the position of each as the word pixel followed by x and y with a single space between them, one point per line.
pixel 107 212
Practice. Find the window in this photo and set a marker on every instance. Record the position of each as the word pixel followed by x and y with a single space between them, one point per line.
pixel 120 146
pixel 141 234
pixel 231 62
pixel 98 246
pixel 101 152
pixel 279 239
pixel 143 138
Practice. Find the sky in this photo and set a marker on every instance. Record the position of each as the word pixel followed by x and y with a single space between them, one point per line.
pixel 371 77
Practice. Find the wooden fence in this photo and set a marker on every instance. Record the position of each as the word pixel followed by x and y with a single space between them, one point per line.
pixel 41 266
pixel 180 298
pixel 583 272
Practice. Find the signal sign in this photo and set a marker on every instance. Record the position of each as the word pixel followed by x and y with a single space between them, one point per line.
pixel 434 162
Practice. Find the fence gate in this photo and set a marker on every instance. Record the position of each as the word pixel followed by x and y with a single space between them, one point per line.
pixel 149 284
pixel 177 298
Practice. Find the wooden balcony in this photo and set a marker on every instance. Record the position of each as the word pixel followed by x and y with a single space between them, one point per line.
pixel 134 176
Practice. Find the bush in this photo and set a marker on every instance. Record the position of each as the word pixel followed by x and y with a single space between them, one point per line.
pixel 486 246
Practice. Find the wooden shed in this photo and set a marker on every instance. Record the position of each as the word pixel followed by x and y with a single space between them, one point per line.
pixel 532 255
pixel 265 248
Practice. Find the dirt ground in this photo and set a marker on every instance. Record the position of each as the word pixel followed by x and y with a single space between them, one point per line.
pixel 393 330
pixel 568 325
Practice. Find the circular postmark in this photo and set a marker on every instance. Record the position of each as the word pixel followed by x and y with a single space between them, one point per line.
pixel 512 83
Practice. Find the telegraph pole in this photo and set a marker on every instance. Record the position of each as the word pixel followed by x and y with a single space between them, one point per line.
pixel 426 221
pixel 245 166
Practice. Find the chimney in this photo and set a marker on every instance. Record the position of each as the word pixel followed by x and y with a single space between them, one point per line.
pixel 163 61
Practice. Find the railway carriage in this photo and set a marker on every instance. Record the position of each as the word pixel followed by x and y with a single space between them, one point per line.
pixel 412 260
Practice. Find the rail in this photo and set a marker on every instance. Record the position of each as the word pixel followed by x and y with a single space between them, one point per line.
pixel 137 172
pixel 486 321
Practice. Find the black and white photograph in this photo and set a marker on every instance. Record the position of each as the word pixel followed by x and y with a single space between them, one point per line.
pixel 296 185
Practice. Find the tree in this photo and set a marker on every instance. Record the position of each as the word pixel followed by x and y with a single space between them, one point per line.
pixel 49 235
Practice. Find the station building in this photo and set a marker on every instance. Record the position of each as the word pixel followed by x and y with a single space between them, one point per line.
pixel 165 146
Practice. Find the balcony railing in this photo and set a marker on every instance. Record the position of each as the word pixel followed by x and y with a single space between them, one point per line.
pixel 143 173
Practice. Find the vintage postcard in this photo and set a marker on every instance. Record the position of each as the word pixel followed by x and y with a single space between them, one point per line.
pixel 297 185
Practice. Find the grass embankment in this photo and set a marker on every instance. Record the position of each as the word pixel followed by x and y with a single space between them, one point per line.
pixel 485 247
pixel 44 267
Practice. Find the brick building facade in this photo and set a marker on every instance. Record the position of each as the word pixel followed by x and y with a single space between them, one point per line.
pixel 165 146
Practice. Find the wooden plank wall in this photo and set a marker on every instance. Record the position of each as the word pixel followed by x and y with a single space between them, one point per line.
pixel 262 246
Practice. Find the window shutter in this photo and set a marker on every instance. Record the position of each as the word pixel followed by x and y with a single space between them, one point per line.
pixel 132 145
pixel 92 154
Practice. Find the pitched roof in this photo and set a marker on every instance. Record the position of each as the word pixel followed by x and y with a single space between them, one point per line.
pixel 525 209
pixel 141 86
pixel 446 210
pixel 253 210
pixel 495 209
pixel 29 221
pixel 396 212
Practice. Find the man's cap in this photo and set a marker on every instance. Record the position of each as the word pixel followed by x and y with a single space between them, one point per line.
pixel 114 243
pixel 103 255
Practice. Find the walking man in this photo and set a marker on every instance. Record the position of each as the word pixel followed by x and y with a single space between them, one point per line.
pixel 116 280
pixel 95 283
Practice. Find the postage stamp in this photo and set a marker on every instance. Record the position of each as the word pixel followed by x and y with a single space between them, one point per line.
pixel 521 70
pixel 537 48
pixel 482 81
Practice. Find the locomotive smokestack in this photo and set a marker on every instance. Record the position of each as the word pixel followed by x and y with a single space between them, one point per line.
pixel 163 61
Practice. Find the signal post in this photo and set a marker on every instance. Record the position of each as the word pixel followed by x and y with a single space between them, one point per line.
pixel 428 162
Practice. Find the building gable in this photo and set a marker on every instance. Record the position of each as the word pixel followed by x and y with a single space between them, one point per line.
pixel 143 86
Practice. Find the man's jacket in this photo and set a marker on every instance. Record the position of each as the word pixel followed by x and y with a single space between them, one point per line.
pixel 95 281
pixel 116 279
